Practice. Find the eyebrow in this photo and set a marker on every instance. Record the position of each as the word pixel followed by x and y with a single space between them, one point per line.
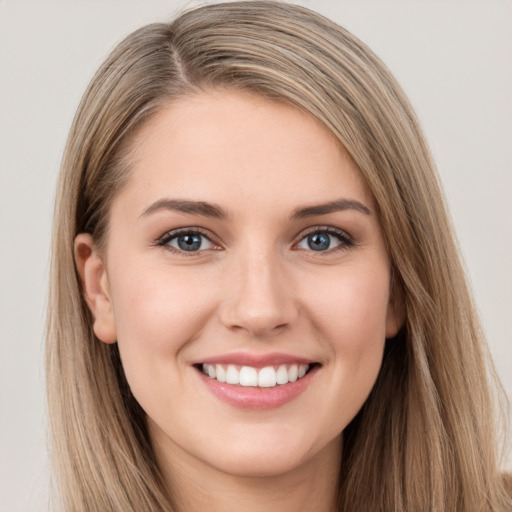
pixel 332 206
pixel 186 206
pixel 214 211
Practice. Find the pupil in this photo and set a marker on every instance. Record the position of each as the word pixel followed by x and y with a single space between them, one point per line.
pixel 189 242
pixel 319 241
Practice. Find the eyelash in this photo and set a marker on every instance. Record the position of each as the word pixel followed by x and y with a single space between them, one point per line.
pixel 164 240
pixel 345 241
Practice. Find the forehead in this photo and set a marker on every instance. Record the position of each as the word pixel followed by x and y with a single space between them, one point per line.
pixel 242 149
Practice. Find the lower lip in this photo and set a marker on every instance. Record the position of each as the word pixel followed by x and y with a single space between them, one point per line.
pixel 248 397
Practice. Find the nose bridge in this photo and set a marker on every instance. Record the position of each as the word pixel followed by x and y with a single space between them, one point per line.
pixel 260 300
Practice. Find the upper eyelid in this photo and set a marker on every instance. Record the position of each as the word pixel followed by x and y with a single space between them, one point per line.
pixel 320 229
pixel 179 231
pixel 164 241
pixel 214 239
pixel 345 241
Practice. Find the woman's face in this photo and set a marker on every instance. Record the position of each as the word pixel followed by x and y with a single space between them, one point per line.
pixel 244 245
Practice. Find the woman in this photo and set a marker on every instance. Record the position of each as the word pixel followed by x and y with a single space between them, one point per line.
pixel 256 297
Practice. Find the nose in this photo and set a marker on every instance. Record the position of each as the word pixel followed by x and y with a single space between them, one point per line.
pixel 259 297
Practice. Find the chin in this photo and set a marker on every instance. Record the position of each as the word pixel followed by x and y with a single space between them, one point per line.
pixel 258 466
pixel 262 457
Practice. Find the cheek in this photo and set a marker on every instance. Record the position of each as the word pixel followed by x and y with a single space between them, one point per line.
pixel 350 309
pixel 350 318
pixel 157 312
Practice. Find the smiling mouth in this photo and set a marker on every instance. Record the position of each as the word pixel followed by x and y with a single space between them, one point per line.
pixel 248 376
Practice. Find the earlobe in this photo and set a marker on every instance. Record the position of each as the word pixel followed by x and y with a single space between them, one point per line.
pixel 95 286
pixel 395 314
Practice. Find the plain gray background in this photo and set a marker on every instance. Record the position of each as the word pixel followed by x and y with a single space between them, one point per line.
pixel 453 57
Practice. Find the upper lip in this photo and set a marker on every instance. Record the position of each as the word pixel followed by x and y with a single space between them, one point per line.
pixel 255 360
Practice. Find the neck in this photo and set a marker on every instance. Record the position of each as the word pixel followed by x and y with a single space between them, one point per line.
pixel 310 487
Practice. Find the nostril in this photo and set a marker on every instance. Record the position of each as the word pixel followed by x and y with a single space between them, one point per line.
pixel 261 305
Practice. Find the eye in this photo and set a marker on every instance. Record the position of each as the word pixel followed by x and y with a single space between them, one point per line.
pixel 323 240
pixel 186 241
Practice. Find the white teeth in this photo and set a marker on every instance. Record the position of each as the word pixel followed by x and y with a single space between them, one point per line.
pixel 232 375
pixel 282 375
pixel 220 373
pixel 248 376
pixel 267 377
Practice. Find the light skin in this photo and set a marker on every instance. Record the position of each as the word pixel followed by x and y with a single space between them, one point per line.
pixel 272 271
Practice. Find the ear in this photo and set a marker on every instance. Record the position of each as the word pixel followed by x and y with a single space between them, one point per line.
pixel 395 315
pixel 93 275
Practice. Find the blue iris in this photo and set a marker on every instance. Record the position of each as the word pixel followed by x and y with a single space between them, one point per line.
pixel 190 242
pixel 319 241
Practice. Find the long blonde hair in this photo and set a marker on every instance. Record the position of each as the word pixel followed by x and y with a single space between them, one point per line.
pixel 425 440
